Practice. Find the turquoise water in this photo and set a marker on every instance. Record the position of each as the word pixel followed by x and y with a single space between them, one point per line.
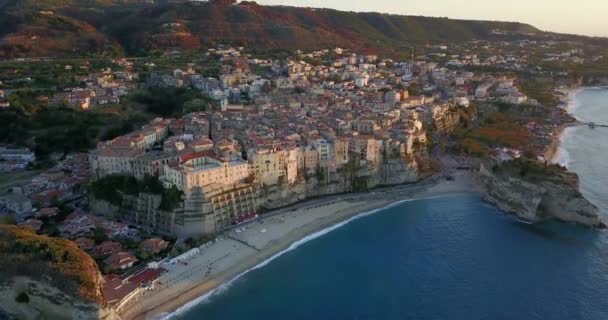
pixel 585 150
pixel 445 258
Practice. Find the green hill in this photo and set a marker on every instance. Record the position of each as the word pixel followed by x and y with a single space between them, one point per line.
pixel 55 261
pixel 60 27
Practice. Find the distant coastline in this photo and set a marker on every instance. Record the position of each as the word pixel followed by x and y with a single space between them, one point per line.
pixel 582 149
pixel 568 101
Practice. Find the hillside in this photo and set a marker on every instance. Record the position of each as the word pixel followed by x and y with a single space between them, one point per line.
pixel 49 35
pixel 47 276
pixel 60 27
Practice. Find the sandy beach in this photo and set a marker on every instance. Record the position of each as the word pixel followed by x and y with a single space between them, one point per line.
pixel 551 153
pixel 241 249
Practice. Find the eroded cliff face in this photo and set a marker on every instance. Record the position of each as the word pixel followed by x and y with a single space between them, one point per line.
pixel 361 179
pixel 535 195
pixel 26 298
pixel 397 172
pixel 47 278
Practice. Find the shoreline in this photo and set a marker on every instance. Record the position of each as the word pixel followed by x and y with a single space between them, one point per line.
pixel 551 152
pixel 284 230
pixel 257 244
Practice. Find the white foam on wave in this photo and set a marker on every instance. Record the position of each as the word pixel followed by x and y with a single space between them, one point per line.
pixel 563 155
pixel 225 286
pixel 563 158
pixel 573 101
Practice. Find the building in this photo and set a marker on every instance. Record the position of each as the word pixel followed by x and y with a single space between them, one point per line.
pixel 153 246
pixel 217 193
pixel 109 160
pixel 324 149
pixel 366 126
pixel 15 159
pixel 310 160
pixel 268 165
pixel 120 261
pixel 21 155
pixel 151 163
pixel 366 148
pixel 16 203
pixel 201 169
pixel 118 156
pixel 341 151
pixel 446 122
pixel 106 248
pixel 482 91
pixel 85 244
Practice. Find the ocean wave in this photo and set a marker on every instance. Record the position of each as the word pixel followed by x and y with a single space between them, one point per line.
pixel 225 286
pixel 571 99
pixel 564 157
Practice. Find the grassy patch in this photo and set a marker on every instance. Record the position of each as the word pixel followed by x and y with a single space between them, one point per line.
pixel 8 180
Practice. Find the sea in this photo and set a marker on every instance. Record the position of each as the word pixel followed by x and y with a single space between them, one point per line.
pixel 452 257
pixel 585 150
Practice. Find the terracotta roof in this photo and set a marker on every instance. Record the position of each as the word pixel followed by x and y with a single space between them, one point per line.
pixel 195 155
pixel 85 243
pixel 107 247
pixel 119 259
pixel 115 289
pixel 145 276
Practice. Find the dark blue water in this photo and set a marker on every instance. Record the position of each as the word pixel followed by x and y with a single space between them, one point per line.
pixel 446 258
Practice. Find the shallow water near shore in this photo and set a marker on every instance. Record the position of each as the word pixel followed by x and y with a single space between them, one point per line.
pixel 453 257
pixel 584 150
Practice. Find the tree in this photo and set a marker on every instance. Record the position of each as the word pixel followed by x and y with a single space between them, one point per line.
pixel 8 219
pixel 99 235
pixel 22 298
pixel 143 255
pixel 54 231
pixel 414 89
pixel 171 199
pixel 195 105
pixel 320 174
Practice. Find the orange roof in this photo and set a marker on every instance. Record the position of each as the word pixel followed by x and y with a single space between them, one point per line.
pixel 195 155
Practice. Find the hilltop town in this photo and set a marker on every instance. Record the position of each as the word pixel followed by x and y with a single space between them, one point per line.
pixel 214 142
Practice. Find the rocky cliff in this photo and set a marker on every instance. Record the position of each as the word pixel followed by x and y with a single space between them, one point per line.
pixel 536 192
pixel 47 278
pixel 359 178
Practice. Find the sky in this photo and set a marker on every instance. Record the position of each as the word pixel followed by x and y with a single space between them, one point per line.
pixel 587 17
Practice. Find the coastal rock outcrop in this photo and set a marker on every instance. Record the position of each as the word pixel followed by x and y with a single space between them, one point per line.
pixel 536 192
pixel 47 278
pixel 27 298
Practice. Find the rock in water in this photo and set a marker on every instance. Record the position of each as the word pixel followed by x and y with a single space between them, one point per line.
pixel 538 192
